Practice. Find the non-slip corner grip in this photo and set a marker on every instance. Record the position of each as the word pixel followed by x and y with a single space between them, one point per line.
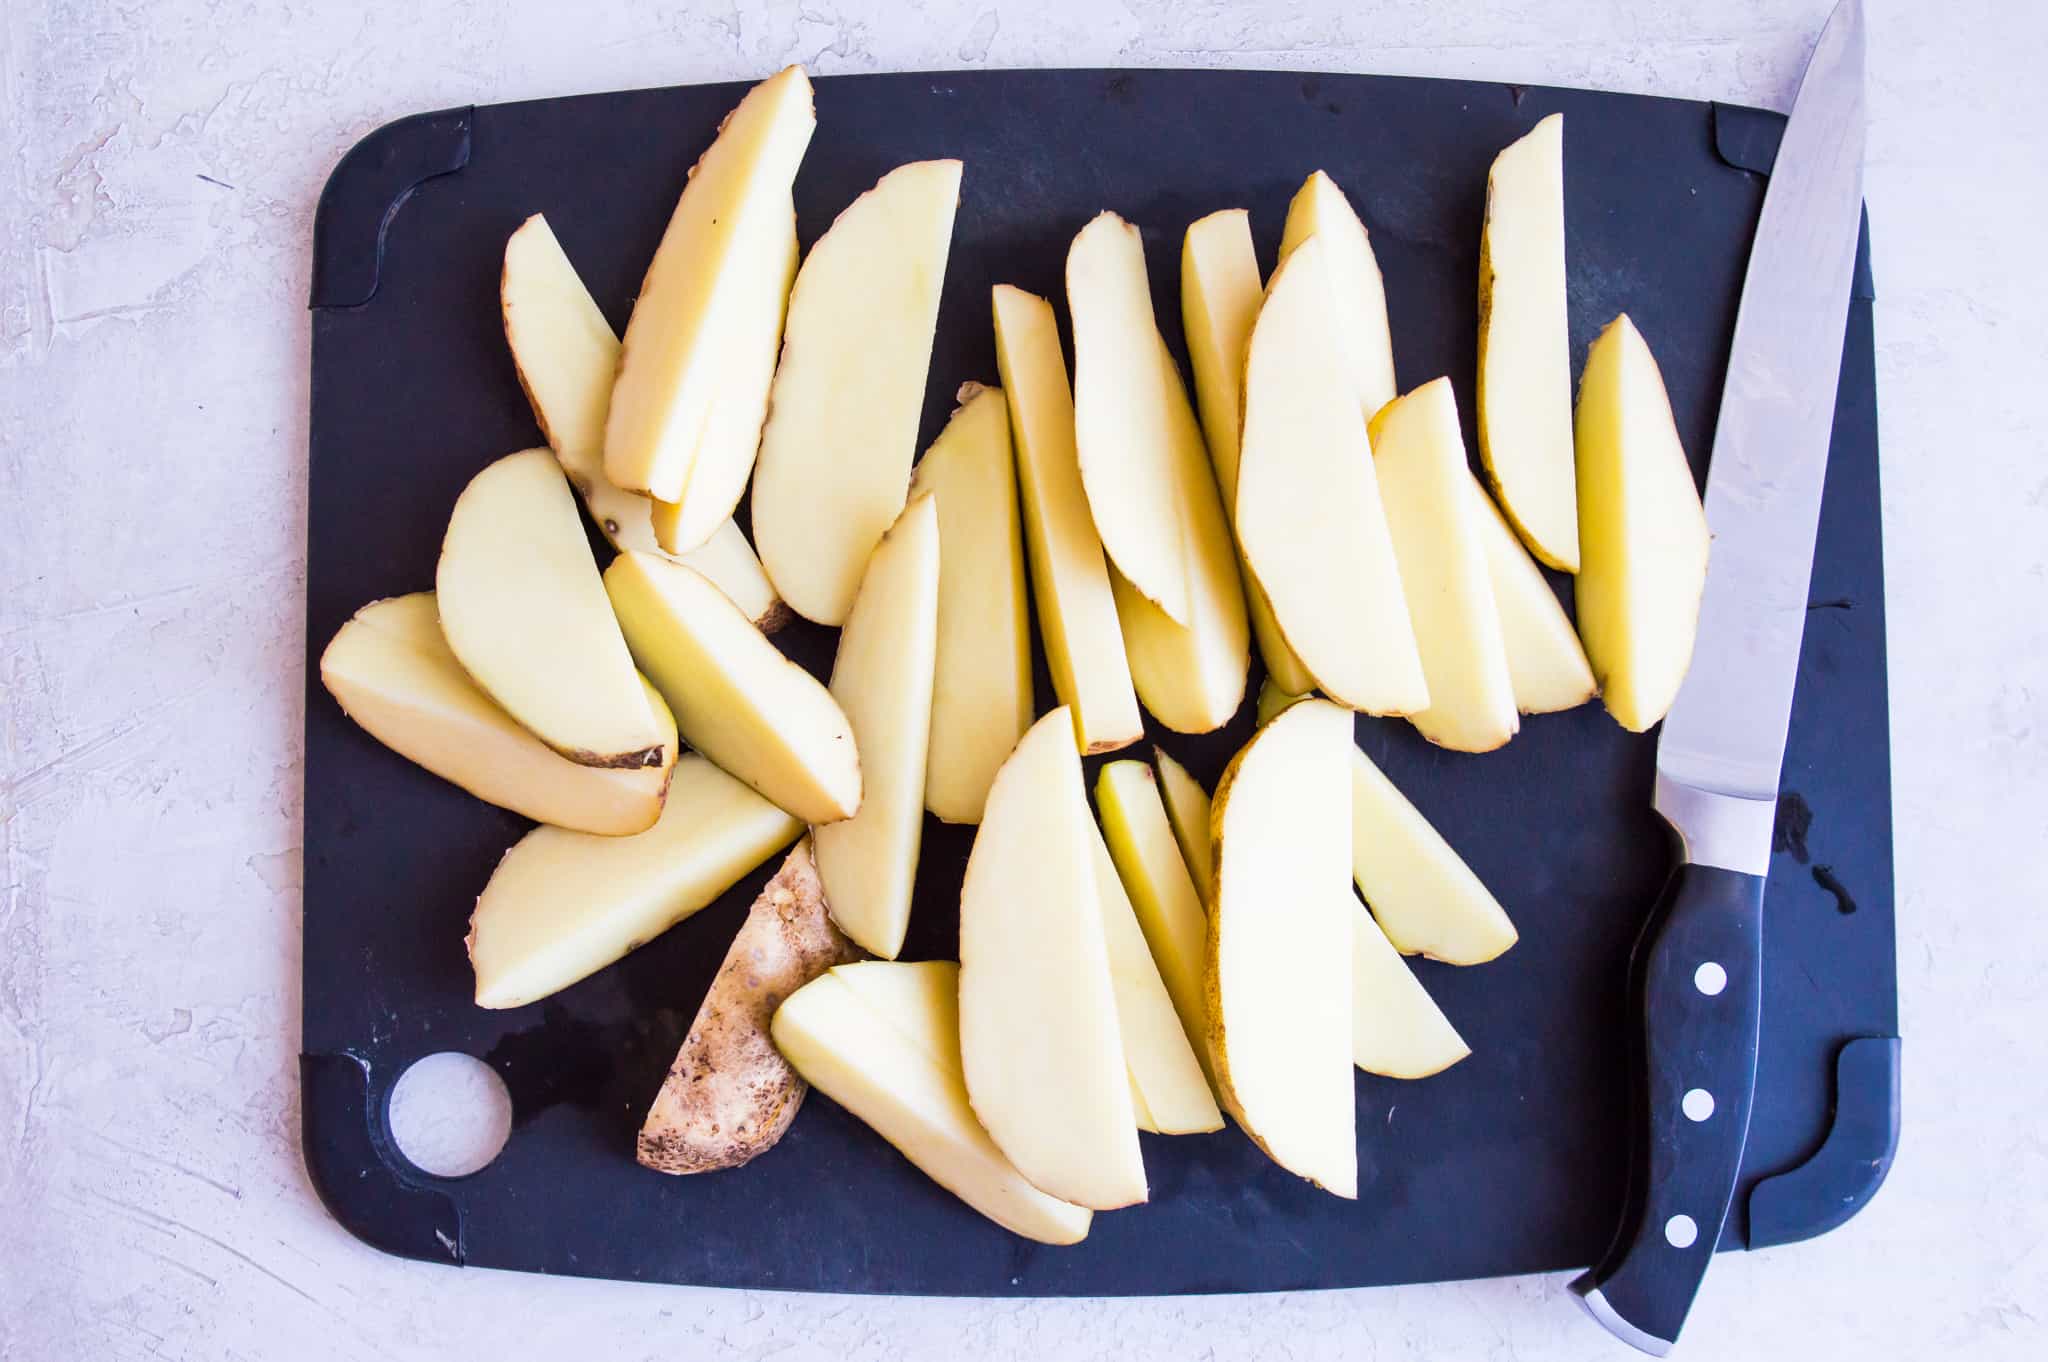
pixel 369 185
pixel 1747 139
pixel 348 1154
pixel 1846 1171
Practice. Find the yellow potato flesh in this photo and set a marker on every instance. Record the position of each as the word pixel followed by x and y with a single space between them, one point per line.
pixel 982 697
pixel 1038 1021
pixel 899 1071
pixel 834 465
pixel 736 698
pixel 562 905
pixel 1077 617
pixel 882 679
pixel 392 672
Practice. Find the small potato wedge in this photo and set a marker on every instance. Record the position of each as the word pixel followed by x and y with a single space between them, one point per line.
pixel 730 1094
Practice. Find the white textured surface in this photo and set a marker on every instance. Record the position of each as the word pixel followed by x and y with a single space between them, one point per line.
pixel 450 1113
pixel 161 165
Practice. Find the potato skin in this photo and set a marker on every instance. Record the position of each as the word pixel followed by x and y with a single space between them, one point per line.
pixel 730 1095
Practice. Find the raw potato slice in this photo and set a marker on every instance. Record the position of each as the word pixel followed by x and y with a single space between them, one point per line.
pixel 1122 415
pixel 730 1094
pixel 842 420
pixel 1546 662
pixel 1426 898
pixel 1397 1030
pixel 736 698
pixel 713 267
pixel 1077 617
pixel 524 611
pixel 391 671
pixel 1190 677
pixel 1643 535
pixel 1308 504
pixel 1168 1081
pixel 882 679
pixel 732 432
pixel 901 1074
pixel 1356 301
pixel 981 698
pixel 1419 457
pixel 565 354
pixel 1280 975
pixel 1038 1022
pixel 1219 301
pixel 1187 807
pixel 1525 367
pixel 563 905
pixel 1162 893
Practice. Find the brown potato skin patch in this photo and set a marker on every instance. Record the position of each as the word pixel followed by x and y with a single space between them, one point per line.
pixel 730 1095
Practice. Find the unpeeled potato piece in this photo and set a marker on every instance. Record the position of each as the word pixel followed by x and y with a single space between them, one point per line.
pixel 730 1095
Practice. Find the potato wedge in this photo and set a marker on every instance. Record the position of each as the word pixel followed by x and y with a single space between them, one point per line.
pixel 1525 367
pixel 563 905
pixel 1419 455
pixel 982 698
pixel 1162 893
pixel 1309 513
pixel 1077 617
pixel 391 671
pixel 1191 677
pixel 1219 301
pixel 524 611
pixel 1546 662
pixel 1124 400
pixel 882 679
pixel 736 698
pixel 732 433
pixel 1280 977
pixel 1169 1082
pixel 1039 1036
pixel 712 269
pixel 730 1094
pixel 1397 1030
pixel 1356 301
pixel 834 467
pixel 1643 536
pixel 1427 900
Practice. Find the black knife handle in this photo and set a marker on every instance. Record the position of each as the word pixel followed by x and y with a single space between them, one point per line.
pixel 1696 987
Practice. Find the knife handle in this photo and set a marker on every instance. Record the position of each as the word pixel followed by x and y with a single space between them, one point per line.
pixel 1695 988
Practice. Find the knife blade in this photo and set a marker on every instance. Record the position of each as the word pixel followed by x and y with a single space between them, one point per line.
pixel 1696 972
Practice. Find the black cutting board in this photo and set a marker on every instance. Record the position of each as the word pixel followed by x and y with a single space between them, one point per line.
pixel 1512 1161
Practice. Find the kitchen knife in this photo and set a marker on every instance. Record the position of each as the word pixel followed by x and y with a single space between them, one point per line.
pixel 1697 969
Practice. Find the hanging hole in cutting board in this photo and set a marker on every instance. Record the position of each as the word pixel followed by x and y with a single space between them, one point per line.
pixel 449 1114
